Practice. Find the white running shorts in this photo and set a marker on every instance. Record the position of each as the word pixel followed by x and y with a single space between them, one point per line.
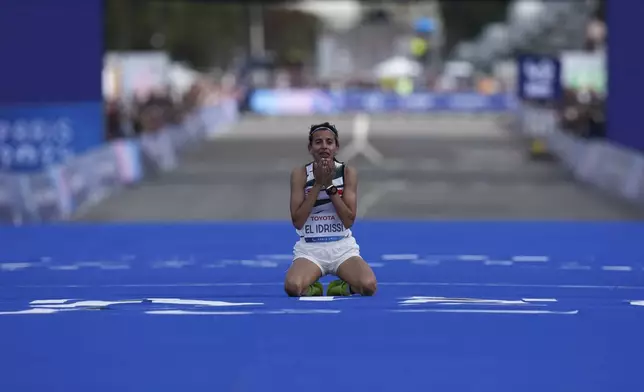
pixel 327 255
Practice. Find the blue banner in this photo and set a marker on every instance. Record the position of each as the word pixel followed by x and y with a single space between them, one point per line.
pixel 51 95
pixel 303 102
pixel 539 77
pixel 626 77
pixel 36 136
pixel 52 51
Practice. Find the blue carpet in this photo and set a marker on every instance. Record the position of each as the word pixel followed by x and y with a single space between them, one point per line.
pixel 462 306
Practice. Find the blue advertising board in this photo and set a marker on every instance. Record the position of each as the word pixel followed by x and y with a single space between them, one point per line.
pixel 51 95
pixel 625 74
pixel 539 77
pixel 311 101
pixel 34 136
pixel 51 51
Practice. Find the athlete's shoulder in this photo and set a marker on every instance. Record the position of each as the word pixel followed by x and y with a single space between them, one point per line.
pixel 303 168
pixel 298 173
pixel 350 173
pixel 350 169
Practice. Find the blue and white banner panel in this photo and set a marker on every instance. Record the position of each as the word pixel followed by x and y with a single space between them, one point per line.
pixel 312 101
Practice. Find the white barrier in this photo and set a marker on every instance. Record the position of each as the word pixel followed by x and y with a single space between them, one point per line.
pixel 614 169
pixel 60 191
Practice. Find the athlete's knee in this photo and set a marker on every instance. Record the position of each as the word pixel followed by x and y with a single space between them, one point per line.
pixel 294 287
pixel 368 285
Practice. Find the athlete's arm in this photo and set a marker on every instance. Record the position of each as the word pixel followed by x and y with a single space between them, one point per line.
pixel 347 204
pixel 301 204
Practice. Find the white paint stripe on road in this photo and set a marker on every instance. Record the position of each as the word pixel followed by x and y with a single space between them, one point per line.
pixel 370 199
pixel 406 284
pixel 360 143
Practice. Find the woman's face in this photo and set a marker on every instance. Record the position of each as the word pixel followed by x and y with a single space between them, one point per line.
pixel 323 145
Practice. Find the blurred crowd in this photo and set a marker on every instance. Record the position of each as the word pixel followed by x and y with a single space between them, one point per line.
pixel 454 77
pixel 151 111
pixel 480 83
pixel 582 111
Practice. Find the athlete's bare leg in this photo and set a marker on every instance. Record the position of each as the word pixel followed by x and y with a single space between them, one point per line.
pixel 359 275
pixel 300 276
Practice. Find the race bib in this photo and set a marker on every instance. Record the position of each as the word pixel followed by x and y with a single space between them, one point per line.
pixel 324 226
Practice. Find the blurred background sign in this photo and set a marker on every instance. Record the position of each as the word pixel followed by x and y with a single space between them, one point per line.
pixel 539 77
pixel 51 105
pixel 584 71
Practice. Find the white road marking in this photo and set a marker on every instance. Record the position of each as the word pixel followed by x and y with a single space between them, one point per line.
pixel 575 266
pixel 31 311
pixel 197 312
pixel 72 267
pixel 458 301
pixel 499 262
pixel 87 304
pixel 48 301
pixel 429 262
pixel 414 284
pixel 360 142
pixel 197 302
pixel 623 268
pixel 302 311
pixel 285 256
pixel 539 299
pixel 495 311
pixel 15 266
pixel 472 257
pixel 530 259
pixel 320 299
pixel 178 312
pixel 402 256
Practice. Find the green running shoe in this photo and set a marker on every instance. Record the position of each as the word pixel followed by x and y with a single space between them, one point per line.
pixel 314 290
pixel 338 288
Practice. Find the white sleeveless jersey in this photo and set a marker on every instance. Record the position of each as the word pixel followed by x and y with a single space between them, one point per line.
pixel 324 224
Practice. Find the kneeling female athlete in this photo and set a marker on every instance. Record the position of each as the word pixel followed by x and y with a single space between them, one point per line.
pixel 323 209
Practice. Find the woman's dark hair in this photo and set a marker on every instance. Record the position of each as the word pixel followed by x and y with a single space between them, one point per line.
pixel 326 125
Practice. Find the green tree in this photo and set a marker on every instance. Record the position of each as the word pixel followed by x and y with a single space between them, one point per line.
pixel 201 33
pixel 290 35
pixel 464 19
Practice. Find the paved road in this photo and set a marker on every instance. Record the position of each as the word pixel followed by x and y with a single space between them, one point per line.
pixel 425 167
